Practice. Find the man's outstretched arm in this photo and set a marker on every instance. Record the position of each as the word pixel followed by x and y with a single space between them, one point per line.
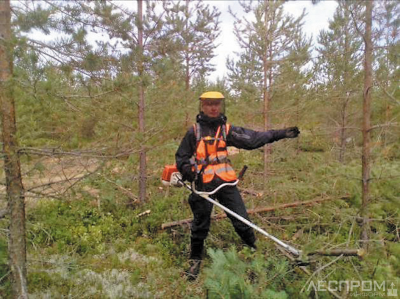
pixel 248 139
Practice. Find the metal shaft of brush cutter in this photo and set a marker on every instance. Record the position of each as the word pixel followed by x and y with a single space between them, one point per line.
pixel 206 195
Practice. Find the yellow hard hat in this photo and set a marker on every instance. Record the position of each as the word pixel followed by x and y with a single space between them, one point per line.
pixel 212 95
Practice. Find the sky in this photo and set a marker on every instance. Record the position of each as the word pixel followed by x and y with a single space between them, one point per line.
pixel 317 18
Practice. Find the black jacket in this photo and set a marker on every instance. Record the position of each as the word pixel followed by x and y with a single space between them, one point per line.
pixel 237 136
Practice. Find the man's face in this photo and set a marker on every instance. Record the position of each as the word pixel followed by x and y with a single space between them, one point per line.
pixel 211 108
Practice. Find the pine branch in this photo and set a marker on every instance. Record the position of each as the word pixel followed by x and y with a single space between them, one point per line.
pixel 391 97
pixel 127 192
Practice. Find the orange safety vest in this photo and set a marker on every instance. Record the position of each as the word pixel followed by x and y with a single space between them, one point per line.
pixel 211 153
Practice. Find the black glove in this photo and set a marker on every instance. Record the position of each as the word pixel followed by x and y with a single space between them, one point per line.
pixel 292 132
pixel 188 174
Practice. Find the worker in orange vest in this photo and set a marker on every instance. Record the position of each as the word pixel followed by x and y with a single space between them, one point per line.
pixel 203 157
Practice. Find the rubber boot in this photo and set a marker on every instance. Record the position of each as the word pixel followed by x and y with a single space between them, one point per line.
pixel 194 269
pixel 196 256
pixel 250 241
pixel 196 249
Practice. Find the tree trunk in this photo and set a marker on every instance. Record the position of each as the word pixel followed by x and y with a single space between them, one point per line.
pixel 187 88
pixel 346 89
pixel 142 154
pixel 266 96
pixel 366 130
pixel 343 129
pixel 12 169
pixel 297 122
pixel 266 121
pixel 187 71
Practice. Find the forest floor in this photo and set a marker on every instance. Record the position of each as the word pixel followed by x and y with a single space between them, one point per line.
pixel 52 177
pixel 88 239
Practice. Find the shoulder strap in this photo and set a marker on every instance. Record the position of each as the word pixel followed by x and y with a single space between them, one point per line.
pixel 197 132
pixel 225 131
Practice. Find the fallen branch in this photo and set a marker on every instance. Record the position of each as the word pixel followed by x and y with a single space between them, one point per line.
pixel 251 192
pixel 128 193
pixel 147 212
pixel 257 210
pixel 293 204
pixel 337 252
pixel 305 270
pixel 319 270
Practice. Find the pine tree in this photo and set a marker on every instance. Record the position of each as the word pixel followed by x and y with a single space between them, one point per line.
pixel 294 83
pixel 136 29
pixel 12 168
pixel 339 70
pixel 366 127
pixel 266 43
pixel 59 68
pixel 194 28
pixel 387 72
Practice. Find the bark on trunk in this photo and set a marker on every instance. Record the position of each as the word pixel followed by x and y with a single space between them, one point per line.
pixel 142 154
pixel 12 169
pixel 366 123
pixel 343 129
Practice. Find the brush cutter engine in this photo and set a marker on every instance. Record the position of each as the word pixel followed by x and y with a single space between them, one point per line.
pixel 171 176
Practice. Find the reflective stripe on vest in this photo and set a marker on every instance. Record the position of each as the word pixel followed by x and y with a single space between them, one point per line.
pixel 211 153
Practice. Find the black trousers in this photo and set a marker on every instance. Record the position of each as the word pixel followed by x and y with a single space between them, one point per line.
pixel 229 197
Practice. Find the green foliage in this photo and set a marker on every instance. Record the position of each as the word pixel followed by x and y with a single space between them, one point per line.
pixel 78 224
pixel 229 276
pixel 194 28
pixel 5 285
pixel 34 19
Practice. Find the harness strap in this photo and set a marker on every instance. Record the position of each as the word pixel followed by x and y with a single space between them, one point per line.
pixel 197 131
pixel 222 130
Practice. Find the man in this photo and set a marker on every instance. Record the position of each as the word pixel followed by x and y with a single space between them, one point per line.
pixel 202 157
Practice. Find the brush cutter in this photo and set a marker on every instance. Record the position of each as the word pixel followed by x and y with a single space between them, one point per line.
pixel 171 176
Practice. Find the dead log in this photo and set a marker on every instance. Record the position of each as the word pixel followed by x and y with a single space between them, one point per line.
pixel 257 210
pixel 218 216
pixel 338 252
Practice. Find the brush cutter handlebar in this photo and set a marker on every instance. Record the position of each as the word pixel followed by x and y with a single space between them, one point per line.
pixel 193 188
